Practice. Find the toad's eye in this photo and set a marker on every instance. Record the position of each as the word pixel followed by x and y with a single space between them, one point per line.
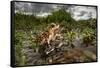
pixel 52 26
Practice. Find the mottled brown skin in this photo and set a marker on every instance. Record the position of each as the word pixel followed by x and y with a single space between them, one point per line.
pixel 49 35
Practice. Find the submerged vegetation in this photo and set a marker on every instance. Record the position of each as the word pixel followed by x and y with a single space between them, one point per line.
pixel 79 38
